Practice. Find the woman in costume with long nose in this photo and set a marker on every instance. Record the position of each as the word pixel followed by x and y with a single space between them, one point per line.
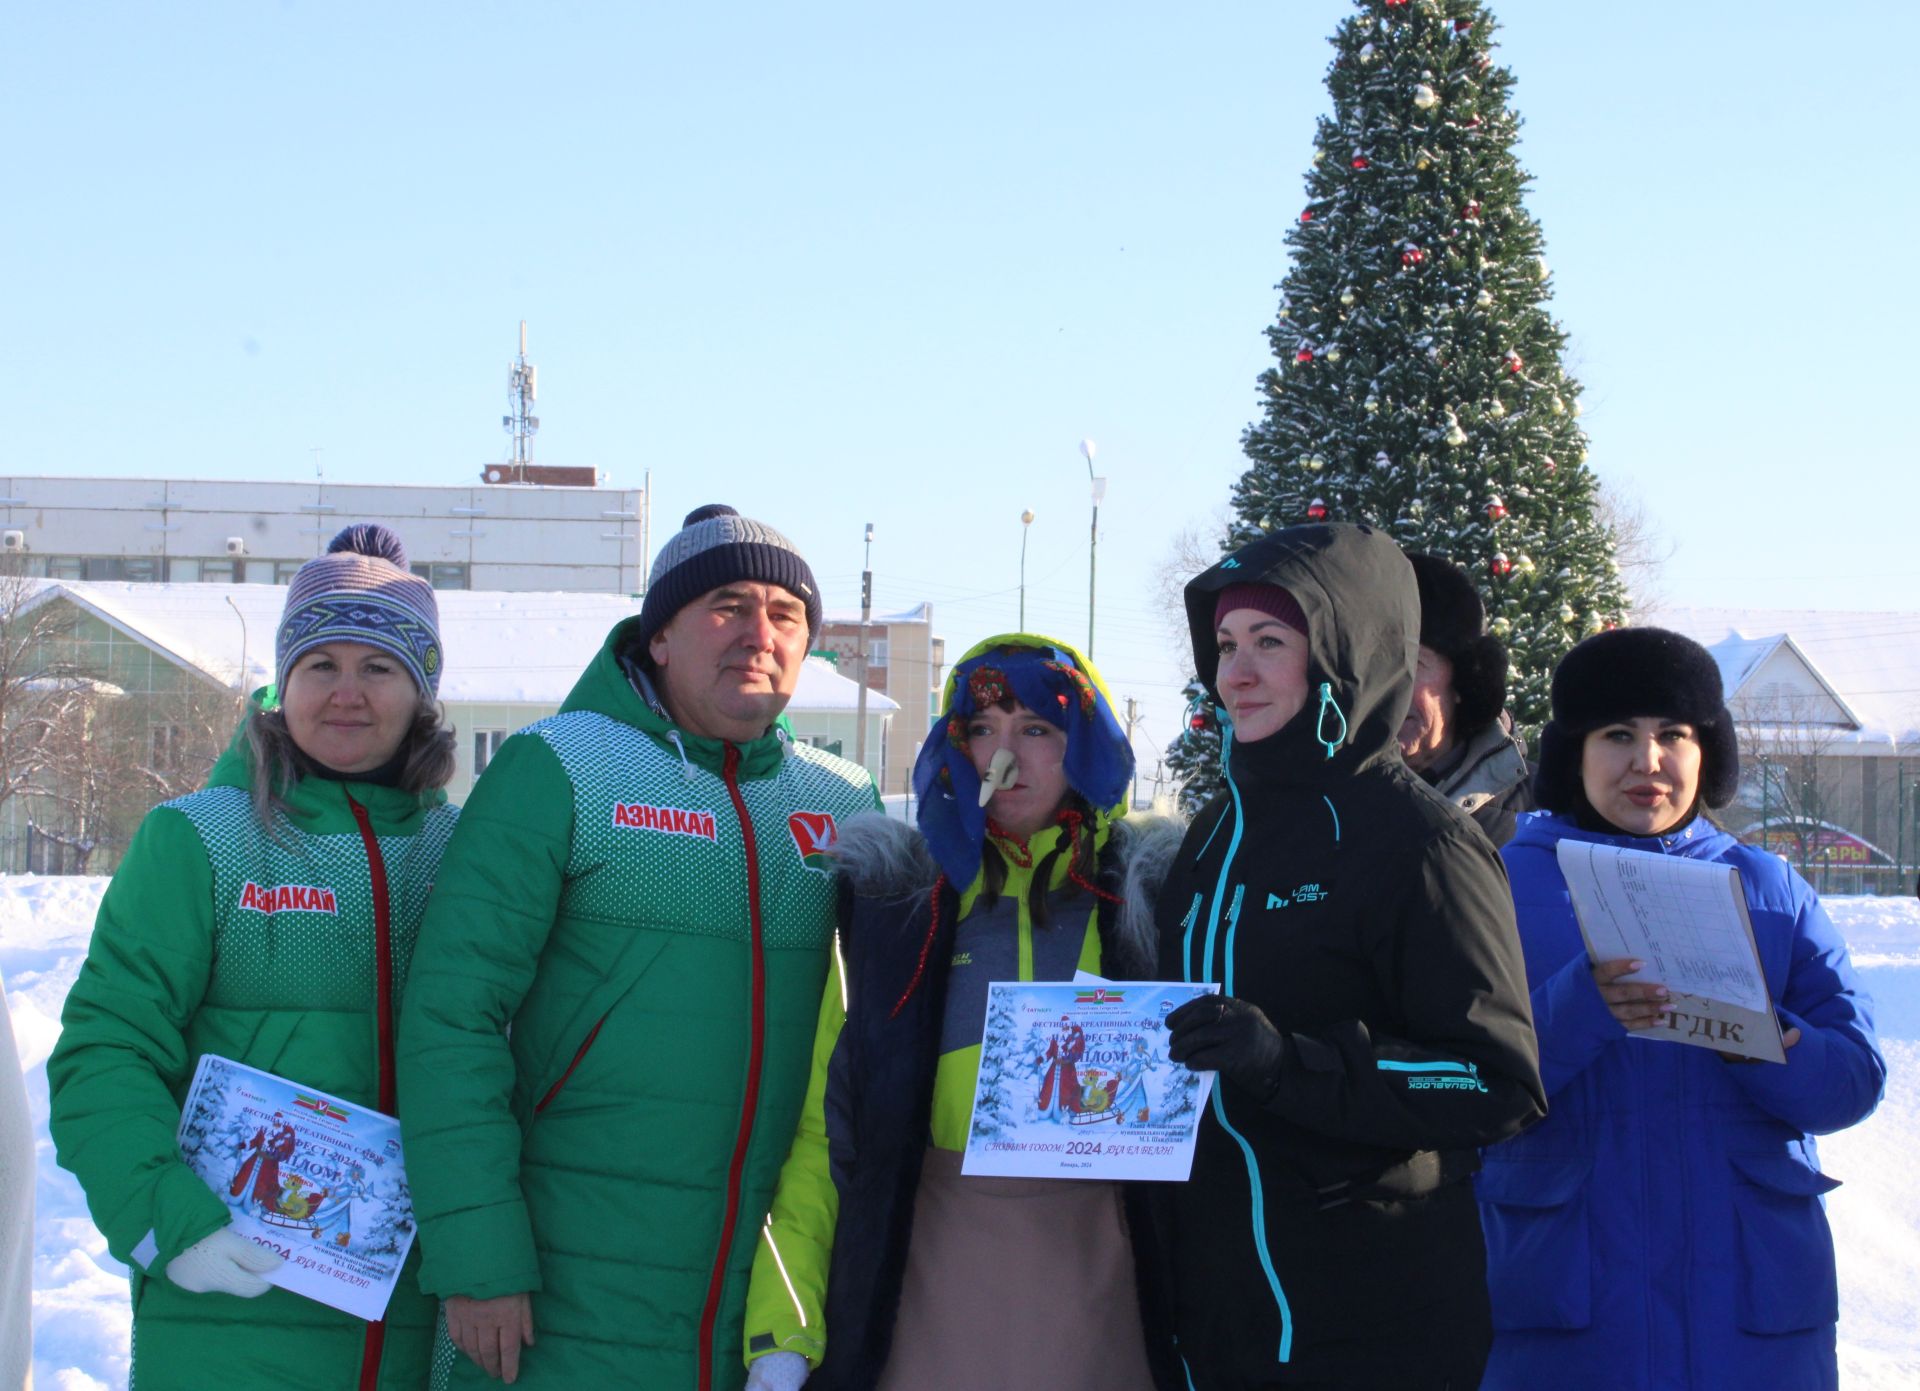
pixel 882 1265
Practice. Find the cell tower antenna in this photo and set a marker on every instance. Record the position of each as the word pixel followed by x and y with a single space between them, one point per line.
pixel 523 388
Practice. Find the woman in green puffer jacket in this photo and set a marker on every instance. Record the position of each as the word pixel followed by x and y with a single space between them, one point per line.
pixel 335 786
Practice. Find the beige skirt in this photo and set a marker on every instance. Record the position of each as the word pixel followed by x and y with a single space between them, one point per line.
pixel 1014 1283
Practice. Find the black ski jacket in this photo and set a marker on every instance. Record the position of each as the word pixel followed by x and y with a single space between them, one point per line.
pixel 1327 1235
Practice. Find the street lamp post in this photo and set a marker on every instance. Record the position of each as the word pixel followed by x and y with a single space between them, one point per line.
pixel 1088 449
pixel 1026 524
pixel 866 616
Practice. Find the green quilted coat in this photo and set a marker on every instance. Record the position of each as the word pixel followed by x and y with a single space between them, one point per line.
pixel 179 967
pixel 605 1049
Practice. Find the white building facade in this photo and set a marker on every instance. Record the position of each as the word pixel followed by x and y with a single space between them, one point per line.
pixel 514 536
pixel 1827 708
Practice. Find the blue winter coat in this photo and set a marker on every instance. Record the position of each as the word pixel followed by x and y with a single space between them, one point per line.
pixel 1663 1229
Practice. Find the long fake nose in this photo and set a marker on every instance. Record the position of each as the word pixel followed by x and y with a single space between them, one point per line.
pixel 1002 769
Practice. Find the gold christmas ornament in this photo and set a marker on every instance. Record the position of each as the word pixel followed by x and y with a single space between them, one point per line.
pixel 1347 298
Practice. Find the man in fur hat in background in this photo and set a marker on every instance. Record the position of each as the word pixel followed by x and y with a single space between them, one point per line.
pixel 1457 734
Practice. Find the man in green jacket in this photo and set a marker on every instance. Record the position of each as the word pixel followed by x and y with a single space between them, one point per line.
pixel 606 1045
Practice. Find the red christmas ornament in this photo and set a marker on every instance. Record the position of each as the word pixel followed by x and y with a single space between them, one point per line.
pixel 1473 123
pixel 1197 722
pixel 1514 364
pixel 1500 565
pixel 1360 162
pixel 1392 3
pixel 1412 256
pixel 1472 211
pixel 1496 509
pixel 1317 510
pixel 1304 356
pixel 1306 214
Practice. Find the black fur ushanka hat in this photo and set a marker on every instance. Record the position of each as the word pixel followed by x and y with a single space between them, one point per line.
pixel 1453 622
pixel 1625 673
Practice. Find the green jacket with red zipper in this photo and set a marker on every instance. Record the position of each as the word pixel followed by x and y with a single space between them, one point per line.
pixel 185 961
pixel 606 1047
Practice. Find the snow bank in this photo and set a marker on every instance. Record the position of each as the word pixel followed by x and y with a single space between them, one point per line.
pixel 81 1326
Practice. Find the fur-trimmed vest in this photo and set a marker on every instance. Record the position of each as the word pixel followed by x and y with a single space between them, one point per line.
pixel 880 1083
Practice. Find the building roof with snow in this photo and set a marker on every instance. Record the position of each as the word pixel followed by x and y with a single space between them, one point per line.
pixel 501 648
pixel 1854 675
pixel 919 613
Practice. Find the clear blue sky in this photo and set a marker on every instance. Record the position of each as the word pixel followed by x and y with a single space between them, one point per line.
pixel 848 263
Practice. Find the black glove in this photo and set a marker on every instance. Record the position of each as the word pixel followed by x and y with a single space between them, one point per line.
pixel 1217 1033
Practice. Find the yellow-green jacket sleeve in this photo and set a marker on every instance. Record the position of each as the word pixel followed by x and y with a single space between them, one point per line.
pixel 787 1296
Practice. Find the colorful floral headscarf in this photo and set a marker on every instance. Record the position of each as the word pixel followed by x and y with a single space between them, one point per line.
pixel 1052 681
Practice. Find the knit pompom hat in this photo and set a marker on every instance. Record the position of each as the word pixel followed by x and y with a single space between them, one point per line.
pixel 716 546
pixel 1453 622
pixel 362 591
pixel 1623 674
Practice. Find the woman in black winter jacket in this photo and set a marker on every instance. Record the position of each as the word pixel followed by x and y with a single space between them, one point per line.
pixel 1372 1029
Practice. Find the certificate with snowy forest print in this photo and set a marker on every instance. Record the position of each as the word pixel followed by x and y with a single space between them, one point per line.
pixel 314 1178
pixel 1075 1082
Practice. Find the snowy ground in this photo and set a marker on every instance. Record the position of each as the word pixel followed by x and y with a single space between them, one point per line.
pixel 80 1292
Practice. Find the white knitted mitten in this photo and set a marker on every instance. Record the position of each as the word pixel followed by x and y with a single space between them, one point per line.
pixel 225 1262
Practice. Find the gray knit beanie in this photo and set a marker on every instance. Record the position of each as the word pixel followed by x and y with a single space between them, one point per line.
pixel 362 591
pixel 716 546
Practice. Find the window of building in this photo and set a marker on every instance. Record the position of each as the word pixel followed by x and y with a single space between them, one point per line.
pixel 182 570
pixel 486 743
pixel 876 652
pixel 65 567
pixel 163 747
pixel 227 569
pixel 136 569
pixel 443 574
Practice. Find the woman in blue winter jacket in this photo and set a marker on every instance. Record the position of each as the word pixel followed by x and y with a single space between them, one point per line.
pixel 1664 1227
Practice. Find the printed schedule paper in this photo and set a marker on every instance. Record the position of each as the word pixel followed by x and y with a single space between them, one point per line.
pixel 1075 1082
pixel 313 1178
pixel 1687 920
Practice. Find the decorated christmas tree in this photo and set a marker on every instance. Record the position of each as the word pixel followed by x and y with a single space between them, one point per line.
pixel 1193 759
pixel 1417 383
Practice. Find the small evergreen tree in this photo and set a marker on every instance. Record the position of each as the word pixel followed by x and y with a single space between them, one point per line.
pixel 1194 757
pixel 1418 384
pixel 999 1067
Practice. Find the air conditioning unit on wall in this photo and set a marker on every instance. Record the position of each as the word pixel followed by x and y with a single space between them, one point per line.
pixel 236 545
pixel 13 540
